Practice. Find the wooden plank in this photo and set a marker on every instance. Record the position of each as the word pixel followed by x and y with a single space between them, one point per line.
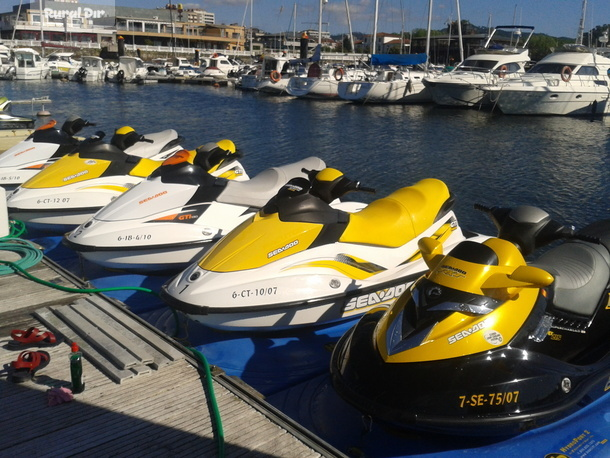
pixel 96 338
pixel 148 336
pixel 115 330
pixel 58 326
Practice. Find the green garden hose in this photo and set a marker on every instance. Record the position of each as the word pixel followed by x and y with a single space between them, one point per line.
pixel 220 436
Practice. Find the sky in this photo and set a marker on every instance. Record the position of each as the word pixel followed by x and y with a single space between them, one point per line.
pixel 553 17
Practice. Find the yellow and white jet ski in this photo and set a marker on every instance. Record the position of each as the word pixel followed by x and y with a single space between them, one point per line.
pixel 73 189
pixel 302 261
pixel 39 150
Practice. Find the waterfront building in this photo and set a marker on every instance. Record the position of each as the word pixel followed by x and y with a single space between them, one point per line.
pixel 74 23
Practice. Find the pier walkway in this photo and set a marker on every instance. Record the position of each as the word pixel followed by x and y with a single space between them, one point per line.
pixel 146 395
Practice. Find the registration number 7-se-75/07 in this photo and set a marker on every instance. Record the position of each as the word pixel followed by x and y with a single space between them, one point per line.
pixel 489 399
pixel 256 292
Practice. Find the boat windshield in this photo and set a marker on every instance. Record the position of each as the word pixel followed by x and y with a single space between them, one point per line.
pixel 549 68
pixel 478 65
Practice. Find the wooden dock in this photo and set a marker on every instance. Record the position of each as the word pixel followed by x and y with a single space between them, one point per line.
pixel 146 395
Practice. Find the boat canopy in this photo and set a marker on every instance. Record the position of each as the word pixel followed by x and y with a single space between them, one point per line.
pixel 399 59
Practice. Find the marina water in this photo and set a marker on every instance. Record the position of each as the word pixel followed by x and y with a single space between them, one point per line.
pixel 561 165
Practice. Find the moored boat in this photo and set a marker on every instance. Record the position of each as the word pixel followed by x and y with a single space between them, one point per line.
pixel 491 64
pixel 570 82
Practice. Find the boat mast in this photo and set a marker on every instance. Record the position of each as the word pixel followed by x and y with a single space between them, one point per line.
pixel 41 27
pixel 320 25
pixel 349 27
pixel 16 20
pixel 581 26
pixel 294 27
pixel 251 29
pixel 428 33
pixel 459 19
pixel 374 40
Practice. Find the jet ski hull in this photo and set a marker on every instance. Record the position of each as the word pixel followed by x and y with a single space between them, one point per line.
pixel 286 315
pixel 502 392
pixel 69 205
pixel 307 289
pixel 150 259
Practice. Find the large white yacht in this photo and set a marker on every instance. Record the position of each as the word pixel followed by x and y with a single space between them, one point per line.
pixel 490 64
pixel 573 81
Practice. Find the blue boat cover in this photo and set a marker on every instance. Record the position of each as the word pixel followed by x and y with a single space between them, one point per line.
pixel 398 59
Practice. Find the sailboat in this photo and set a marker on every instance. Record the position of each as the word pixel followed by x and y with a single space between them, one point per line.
pixel 322 81
pixel 399 78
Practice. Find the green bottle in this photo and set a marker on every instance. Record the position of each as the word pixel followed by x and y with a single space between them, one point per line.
pixel 76 369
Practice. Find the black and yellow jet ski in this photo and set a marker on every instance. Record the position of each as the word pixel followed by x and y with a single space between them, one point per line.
pixel 486 343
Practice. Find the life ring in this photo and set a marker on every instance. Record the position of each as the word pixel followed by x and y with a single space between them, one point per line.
pixel 339 73
pixel 215 55
pixel 566 74
pixel 503 71
pixel 275 76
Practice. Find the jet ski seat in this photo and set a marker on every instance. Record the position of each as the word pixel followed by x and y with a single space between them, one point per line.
pixel 394 220
pixel 581 271
pixel 257 191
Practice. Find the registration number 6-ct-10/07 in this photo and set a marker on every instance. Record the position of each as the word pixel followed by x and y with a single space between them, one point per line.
pixel 270 291
pixel 489 399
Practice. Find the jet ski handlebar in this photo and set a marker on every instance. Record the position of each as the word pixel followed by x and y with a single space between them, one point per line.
pixel 365 189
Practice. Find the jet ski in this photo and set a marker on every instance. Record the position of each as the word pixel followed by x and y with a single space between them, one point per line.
pixel 8 120
pixel 301 261
pixel 72 189
pixel 170 219
pixel 43 147
pixel 485 343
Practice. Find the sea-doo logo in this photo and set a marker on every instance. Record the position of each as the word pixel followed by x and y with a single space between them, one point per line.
pixel 284 248
pixel 159 194
pixel 24 151
pixel 467 332
pixel 381 297
pixel 451 271
pixel 76 175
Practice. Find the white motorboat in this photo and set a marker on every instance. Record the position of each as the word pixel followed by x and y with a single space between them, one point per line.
pixel 273 75
pixel 7 66
pixel 28 64
pixel 491 64
pixel 130 69
pixel 62 65
pixel 322 82
pixel 92 70
pixel 391 84
pixel 220 67
pixel 573 82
